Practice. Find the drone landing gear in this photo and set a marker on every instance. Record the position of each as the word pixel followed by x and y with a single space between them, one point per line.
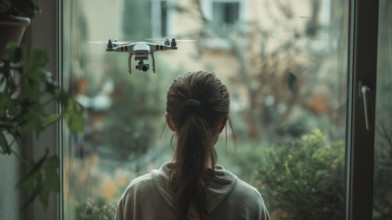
pixel 129 63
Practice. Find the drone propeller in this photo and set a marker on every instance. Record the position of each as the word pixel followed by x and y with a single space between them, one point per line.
pixel 121 42
pixel 170 38
pixel 184 40
pixel 98 42
pixel 113 41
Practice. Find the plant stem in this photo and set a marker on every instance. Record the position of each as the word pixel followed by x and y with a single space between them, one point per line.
pixel 17 154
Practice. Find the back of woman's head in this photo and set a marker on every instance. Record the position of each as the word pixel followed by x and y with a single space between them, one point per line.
pixel 198 106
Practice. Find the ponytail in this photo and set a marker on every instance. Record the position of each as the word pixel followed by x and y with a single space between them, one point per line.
pixel 197 103
pixel 194 150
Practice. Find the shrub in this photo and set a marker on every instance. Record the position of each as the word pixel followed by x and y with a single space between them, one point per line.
pixel 382 198
pixel 303 180
pixel 97 209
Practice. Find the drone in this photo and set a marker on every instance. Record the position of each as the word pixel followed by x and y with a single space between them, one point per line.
pixel 140 51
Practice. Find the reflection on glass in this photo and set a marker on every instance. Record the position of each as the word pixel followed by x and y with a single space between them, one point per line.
pixel 284 64
pixel 382 203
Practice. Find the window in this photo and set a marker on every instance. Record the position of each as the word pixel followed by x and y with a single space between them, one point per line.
pixel 289 98
pixel 224 15
pixel 382 185
pixel 224 18
pixel 162 14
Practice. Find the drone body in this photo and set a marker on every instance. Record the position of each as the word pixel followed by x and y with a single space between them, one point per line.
pixel 140 51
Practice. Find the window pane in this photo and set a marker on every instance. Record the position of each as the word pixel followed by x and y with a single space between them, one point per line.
pixel 226 13
pixel 164 10
pixel 382 204
pixel 286 72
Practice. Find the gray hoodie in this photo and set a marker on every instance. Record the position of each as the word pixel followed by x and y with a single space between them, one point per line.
pixel 150 197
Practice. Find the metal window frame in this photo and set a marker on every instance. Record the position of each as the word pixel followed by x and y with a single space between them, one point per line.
pixel 362 60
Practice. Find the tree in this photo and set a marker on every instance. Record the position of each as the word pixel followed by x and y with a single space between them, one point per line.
pixel 282 71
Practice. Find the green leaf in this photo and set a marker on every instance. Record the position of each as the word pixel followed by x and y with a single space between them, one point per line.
pixel 33 195
pixel 52 179
pixel 75 122
pixel 35 167
pixel 51 164
pixel 292 83
pixel 39 58
pixel 36 75
pixel 34 93
pixel 73 113
pixel 4 101
pixel 33 124
pixel 44 196
pixel 33 64
pixel 35 119
pixel 42 179
pixel 54 118
pixel 29 182
pixel 13 52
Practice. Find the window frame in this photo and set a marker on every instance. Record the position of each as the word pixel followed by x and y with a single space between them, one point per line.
pixel 362 60
pixel 362 69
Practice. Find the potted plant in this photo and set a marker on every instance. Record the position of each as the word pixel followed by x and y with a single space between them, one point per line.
pixel 26 89
pixel 15 16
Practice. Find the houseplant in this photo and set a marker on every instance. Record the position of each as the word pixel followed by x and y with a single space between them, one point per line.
pixel 15 16
pixel 23 8
pixel 26 91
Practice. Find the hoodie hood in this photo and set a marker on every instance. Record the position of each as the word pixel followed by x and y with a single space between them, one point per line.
pixel 221 184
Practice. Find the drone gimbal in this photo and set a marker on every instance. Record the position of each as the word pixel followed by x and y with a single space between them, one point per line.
pixel 142 66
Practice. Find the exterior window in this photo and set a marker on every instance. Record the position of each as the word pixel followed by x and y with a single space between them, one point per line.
pixel 224 18
pixel 226 15
pixel 288 98
pixel 162 18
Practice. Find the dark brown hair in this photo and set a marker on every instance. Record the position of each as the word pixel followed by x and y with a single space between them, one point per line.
pixel 197 103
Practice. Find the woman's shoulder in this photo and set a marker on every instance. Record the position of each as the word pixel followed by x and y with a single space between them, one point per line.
pixel 240 188
pixel 140 183
pixel 141 180
pixel 245 196
pixel 148 180
pixel 223 173
pixel 247 188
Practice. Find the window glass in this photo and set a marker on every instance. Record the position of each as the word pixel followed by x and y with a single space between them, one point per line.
pixel 225 13
pixel 382 204
pixel 285 67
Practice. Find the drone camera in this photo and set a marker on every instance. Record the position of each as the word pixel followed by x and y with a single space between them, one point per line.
pixel 143 67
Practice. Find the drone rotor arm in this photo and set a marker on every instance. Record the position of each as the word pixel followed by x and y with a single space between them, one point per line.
pixel 130 63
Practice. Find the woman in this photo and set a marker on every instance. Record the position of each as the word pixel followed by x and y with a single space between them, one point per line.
pixel 192 186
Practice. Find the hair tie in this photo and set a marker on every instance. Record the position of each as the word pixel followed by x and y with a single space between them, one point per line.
pixel 192 106
pixel 192 103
